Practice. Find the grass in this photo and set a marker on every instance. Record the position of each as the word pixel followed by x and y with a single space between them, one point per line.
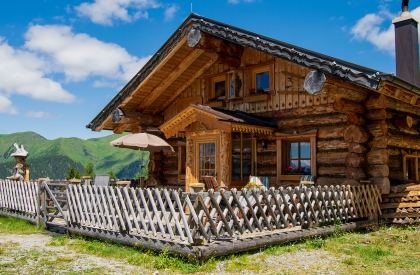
pixel 389 250
pixel 10 225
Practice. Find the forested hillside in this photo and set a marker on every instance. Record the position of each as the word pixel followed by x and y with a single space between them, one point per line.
pixel 53 158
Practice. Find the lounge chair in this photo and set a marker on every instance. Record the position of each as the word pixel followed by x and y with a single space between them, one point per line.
pixel 211 183
pixel 307 181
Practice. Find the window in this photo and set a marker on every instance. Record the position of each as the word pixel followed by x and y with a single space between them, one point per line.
pixel 241 156
pixel 182 160
pixel 235 84
pixel 261 79
pixel 411 167
pixel 206 159
pixel 298 158
pixel 296 155
pixel 219 87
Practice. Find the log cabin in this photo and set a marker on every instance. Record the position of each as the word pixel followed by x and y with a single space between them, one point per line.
pixel 234 103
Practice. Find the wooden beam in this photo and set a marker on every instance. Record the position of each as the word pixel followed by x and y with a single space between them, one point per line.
pixel 120 128
pixel 158 90
pixel 211 43
pixel 209 63
pixel 102 126
pixel 161 64
pixel 135 129
pixel 141 119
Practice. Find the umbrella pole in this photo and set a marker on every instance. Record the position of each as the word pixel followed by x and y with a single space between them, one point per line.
pixel 141 169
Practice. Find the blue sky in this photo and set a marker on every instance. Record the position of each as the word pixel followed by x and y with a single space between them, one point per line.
pixel 62 61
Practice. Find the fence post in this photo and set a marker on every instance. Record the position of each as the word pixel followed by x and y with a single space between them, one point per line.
pixel 41 203
pixel 68 210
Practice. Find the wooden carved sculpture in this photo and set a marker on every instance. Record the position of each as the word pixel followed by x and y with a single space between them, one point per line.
pixel 21 170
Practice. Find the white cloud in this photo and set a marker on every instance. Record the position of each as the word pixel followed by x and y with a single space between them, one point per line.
pixel 79 56
pixel 105 11
pixel 23 73
pixel 369 28
pixel 170 12
pixel 6 106
pixel 40 114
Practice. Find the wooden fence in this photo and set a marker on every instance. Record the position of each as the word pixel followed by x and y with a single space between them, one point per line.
pixel 19 199
pixel 192 223
pixel 189 218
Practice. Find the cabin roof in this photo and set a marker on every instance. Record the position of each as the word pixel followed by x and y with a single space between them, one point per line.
pixel 238 116
pixel 132 95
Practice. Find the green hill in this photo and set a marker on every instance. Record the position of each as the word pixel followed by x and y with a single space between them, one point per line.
pixel 53 158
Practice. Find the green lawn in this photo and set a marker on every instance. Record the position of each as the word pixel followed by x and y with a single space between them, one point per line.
pixel 389 250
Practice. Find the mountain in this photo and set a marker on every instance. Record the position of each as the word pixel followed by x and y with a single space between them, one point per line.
pixel 53 158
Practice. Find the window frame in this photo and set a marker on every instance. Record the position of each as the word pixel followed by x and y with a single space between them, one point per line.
pixel 282 152
pixel 215 80
pixel 197 141
pixel 182 161
pixel 241 156
pixel 254 70
pixel 416 166
pixel 231 76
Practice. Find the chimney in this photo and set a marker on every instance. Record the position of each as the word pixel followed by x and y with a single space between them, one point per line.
pixel 407 46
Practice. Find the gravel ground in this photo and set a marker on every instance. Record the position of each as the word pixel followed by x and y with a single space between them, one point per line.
pixel 18 256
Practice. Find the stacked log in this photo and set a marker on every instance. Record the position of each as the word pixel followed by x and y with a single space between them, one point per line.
pixel 169 162
pixel 336 163
pixel 377 157
pixel 402 204
pixel 155 176
pixel 355 138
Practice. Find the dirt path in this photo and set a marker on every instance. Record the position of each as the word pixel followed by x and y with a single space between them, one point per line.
pixel 31 254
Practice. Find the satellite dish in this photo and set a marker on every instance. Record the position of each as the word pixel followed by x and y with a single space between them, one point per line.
pixel 314 82
pixel 116 115
pixel 194 37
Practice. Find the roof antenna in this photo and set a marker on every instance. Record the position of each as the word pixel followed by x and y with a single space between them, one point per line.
pixel 191 7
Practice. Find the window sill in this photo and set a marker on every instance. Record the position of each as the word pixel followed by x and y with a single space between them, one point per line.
pixel 236 100
pixel 256 97
pixel 291 177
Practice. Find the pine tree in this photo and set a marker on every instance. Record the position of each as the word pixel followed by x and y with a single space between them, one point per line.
pixel 89 170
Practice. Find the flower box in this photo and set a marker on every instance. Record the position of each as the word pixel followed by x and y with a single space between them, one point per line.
pixel 256 98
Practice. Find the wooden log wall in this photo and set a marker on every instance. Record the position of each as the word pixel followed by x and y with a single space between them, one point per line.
pixel 297 111
pixel 169 166
pixel 331 147
pixel 287 90
pixel 266 160
pixel 155 171
pixel 19 199
pixel 377 156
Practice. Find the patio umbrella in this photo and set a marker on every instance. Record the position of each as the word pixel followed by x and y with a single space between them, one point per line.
pixel 142 142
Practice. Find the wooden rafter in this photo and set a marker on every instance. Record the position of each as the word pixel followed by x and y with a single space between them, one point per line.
pixel 209 63
pixel 161 64
pixel 141 119
pixel 120 128
pixel 156 92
